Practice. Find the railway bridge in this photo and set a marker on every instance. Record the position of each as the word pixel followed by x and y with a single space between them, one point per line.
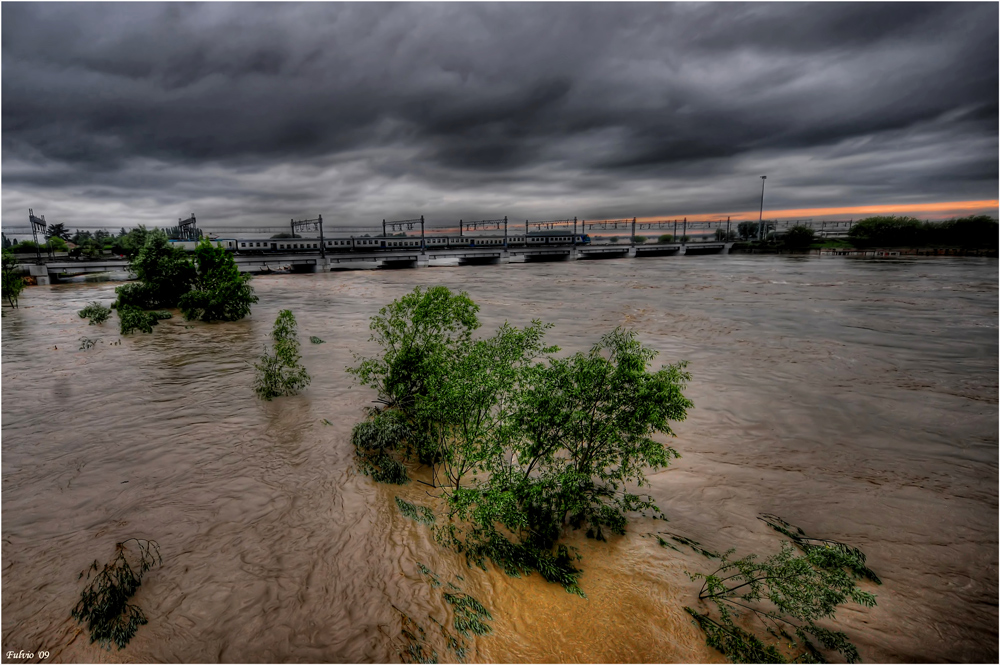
pixel 47 271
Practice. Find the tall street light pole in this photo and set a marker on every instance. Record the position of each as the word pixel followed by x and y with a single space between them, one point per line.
pixel 760 221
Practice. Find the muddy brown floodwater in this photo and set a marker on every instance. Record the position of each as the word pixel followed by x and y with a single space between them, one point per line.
pixel 854 398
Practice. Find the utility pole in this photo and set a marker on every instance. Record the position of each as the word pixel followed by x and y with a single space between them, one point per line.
pixel 37 224
pixel 760 221
pixel 383 228
pixel 633 231
pixel 423 243
pixel 685 232
pixel 322 243
pixel 505 231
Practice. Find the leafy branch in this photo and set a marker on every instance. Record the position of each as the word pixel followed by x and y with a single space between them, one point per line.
pixel 785 594
pixel 104 605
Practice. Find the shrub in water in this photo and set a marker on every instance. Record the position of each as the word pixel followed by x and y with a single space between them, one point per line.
pixel 278 370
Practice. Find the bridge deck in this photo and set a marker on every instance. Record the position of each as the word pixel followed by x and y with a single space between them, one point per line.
pixel 334 259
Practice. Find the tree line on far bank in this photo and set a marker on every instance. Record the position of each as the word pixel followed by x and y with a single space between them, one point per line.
pixel 89 244
pixel 974 232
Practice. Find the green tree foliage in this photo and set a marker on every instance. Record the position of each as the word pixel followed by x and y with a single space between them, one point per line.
pixel 722 235
pixel 419 334
pixel 96 312
pixel 886 230
pixel 980 231
pixel 57 244
pixel 220 292
pixel 376 439
pixel 131 318
pixel 278 370
pixel 640 240
pixel 521 445
pixel 665 238
pixel 90 248
pixel 799 237
pixel 613 239
pixel 104 605
pixel 27 247
pixel 129 244
pixel 13 283
pixel 164 275
pixel 80 236
pixel 469 618
pixel 784 595
pixel 57 231
pixel 747 230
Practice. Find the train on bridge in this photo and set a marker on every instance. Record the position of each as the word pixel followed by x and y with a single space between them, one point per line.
pixel 386 243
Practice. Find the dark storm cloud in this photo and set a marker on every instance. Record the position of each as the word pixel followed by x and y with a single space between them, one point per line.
pixel 135 112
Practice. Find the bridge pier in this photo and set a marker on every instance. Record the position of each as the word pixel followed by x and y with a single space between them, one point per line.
pixel 41 274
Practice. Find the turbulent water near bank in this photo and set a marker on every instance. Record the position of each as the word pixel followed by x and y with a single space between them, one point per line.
pixel 854 398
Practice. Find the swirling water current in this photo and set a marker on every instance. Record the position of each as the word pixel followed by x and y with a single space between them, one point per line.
pixel 854 398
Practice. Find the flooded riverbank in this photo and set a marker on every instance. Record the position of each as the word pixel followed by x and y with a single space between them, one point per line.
pixel 854 398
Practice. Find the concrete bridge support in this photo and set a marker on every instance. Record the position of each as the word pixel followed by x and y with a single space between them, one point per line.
pixel 40 273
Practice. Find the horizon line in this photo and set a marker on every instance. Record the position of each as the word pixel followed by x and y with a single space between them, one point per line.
pixel 958 208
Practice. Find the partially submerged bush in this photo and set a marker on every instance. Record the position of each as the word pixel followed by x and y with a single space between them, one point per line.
pixel 13 283
pixel 470 617
pixel 374 442
pixel 783 595
pixel 104 605
pixel 278 370
pixel 132 318
pixel 96 312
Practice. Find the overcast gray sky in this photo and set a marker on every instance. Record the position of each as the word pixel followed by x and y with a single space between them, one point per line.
pixel 252 114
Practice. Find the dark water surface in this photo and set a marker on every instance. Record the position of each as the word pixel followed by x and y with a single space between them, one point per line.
pixel 854 398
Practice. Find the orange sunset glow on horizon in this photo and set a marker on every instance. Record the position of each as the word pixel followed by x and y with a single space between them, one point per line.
pixel 939 210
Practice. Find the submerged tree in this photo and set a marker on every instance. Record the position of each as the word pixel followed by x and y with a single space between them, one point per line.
pixel 164 274
pixel 13 283
pixel 104 605
pixel 278 370
pixel 220 292
pixel 521 445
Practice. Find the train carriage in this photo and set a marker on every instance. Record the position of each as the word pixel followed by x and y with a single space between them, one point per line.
pixel 378 244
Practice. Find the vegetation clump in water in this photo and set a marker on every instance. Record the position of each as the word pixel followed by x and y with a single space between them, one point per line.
pixel 784 595
pixel 470 618
pixel 104 605
pixel 95 312
pixel 219 291
pixel 520 444
pixel 209 288
pixel 13 284
pixel 279 371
